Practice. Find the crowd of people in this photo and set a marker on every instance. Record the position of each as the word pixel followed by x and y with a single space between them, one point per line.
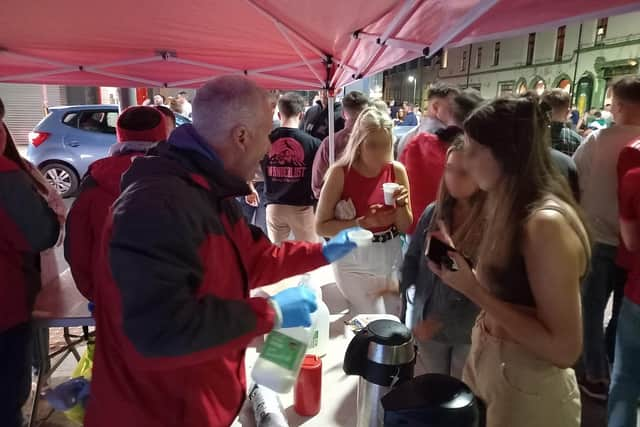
pixel 179 104
pixel 169 234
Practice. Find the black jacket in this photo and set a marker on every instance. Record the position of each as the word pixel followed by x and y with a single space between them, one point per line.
pixel 433 298
pixel 316 121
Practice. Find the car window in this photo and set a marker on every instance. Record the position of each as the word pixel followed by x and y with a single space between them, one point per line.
pixel 112 120
pixel 71 119
pixel 98 121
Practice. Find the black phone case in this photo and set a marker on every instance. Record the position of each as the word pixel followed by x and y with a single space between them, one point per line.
pixel 437 251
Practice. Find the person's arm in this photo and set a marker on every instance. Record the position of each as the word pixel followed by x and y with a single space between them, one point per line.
pixel 582 158
pixel 266 263
pixel 629 201
pixel 415 253
pixel 320 166
pixel 554 265
pixel 28 224
pixel 81 236
pixel 155 260
pixel 404 217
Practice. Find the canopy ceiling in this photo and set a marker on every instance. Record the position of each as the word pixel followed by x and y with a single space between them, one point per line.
pixel 285 44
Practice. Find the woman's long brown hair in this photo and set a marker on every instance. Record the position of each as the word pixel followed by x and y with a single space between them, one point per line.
pixel 468 235
pixel 11 152
pixel 517 133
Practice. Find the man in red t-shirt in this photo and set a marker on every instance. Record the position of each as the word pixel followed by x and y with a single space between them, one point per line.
pixel 424 156
pixel 625 378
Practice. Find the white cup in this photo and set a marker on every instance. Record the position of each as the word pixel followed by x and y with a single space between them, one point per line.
pixel 361 237
pixel 389 189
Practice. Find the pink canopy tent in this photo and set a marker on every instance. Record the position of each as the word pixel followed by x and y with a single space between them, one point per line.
pixel 286 44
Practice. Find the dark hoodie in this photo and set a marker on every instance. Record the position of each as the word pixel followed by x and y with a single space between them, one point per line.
pixel 99 189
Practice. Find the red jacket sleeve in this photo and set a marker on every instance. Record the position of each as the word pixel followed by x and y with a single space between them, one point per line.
pixel 267 263
pixel 28 224
pixel 80 240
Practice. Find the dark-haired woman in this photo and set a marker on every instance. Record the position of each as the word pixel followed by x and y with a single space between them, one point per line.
pixel 29 226
pixel 441 317
pixel 534 251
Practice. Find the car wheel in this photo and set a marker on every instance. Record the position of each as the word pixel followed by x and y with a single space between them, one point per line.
pixel 62 178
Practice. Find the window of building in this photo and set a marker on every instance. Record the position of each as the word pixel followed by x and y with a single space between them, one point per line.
pixel 601 30
pixel 531 48
pixel 560 42
pixel 463 61
pixel 445 58
pixel 496 54
pixel 505 88
pixel 479 57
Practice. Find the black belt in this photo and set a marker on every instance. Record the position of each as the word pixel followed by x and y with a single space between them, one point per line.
pixel 385 236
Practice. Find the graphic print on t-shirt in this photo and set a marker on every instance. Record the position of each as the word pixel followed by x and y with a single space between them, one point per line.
pixel 286 161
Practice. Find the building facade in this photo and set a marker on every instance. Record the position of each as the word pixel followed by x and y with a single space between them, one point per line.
pixel 582 58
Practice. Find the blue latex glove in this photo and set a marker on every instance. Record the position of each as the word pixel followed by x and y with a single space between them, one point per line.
pixel 339 246
pixel 296 305
pixel 68 394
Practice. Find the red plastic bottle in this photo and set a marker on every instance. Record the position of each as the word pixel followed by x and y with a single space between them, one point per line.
pixel 308 390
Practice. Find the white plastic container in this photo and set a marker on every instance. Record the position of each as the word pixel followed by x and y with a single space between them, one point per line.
pixel 281 357
pixel 361 238
pixel 319 344
pixel 389 188
pixel 267 408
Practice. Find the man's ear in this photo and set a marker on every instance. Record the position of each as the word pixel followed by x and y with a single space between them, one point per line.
pixel 240 137
pixel 279 116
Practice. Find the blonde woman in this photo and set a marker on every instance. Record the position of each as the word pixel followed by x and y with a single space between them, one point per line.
pixel 353 196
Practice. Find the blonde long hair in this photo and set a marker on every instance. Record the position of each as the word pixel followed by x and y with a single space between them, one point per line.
pixel 370 120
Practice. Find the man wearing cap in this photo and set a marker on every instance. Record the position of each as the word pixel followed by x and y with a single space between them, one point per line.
pixel 137 129
pixel 177 263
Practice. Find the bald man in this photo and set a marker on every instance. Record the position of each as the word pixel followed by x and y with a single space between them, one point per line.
pixel 178 260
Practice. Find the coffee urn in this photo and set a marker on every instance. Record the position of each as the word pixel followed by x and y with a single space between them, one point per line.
pixel 383 355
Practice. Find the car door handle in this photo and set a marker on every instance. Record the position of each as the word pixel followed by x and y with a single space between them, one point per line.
pixel 74 144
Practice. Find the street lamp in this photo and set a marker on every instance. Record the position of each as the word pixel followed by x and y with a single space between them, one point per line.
pixel 413 80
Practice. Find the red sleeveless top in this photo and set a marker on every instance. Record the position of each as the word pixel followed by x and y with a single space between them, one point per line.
pixel 365 192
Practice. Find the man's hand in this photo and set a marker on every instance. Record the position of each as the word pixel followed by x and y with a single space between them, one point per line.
pixel 253 199
pixel 426 329
pixel 294 306
pixel 339 246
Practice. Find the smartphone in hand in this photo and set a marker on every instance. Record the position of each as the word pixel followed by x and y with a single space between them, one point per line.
pixel 437 251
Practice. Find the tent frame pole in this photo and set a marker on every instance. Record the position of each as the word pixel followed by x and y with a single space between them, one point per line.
pixel 332 135
pixel 303 39
pixel 285 34
pixel 399 20
pixel 404 44
pixel 463 23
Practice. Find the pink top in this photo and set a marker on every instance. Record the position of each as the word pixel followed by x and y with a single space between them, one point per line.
pixel 365 192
